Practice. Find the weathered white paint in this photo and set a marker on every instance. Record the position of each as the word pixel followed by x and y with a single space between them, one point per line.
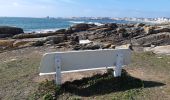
pixel 74 61
pixel 85 41
pixel 119 64
pixel 58 68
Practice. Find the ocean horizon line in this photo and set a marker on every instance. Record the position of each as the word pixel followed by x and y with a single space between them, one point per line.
pixel 44 24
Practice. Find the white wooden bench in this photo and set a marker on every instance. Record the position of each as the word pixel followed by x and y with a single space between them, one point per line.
pixel 75 61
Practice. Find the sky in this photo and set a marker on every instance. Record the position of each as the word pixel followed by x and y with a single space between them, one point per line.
pixel 85 8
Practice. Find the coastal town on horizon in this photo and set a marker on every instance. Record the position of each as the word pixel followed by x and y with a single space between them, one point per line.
pixel 137 19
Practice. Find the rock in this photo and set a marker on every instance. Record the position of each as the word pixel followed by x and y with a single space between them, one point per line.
pixel 105 27
pixel 77 47
pixel 38 43
pixel 69 31
pixel 133 32
pixel 155 30
pixel 148 29
pixel 126 46
pixel 15 43
pixel 125 25
pixel 19 43
pixel 125 35
pixel 94 28
pixel 139 25
pixel 112 46
pixel 73 43
pixel 159 50
pixel 106 46
pixel 160 30
pixel 54 39
pixel 64 44
pixel 92 37
pixel 153 39
pixel 37 35
pixel 5 35
pixel 7 31
pixel 80 27
pixel 86 47
pixel 91 47
pixel 121 30
pixel 23 36
pixel 6 43
pixel 111 25
pixel 62 31
pixel 75 38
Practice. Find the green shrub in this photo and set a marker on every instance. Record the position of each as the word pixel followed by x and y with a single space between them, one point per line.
pixel 48 97
pixel 48 90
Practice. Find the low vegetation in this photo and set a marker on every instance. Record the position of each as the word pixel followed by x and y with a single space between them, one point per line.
pixel 91 86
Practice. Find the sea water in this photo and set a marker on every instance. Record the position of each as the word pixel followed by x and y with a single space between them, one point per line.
pixel 50 24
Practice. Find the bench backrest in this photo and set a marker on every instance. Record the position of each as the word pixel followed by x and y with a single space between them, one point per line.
pixel 78 60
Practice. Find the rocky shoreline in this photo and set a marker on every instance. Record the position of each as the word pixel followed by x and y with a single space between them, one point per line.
pixel 104 36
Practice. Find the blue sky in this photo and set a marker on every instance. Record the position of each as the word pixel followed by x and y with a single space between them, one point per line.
pixel 87 8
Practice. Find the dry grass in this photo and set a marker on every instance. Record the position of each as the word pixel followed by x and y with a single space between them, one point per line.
pixel 16 78
pixel 147 78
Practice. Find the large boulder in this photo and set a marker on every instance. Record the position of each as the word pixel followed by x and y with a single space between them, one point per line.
pixel 80 27
pixel 7 31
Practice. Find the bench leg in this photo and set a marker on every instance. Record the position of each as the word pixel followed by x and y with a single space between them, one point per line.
pixel 117 72
pixel 58 69
pixel 118 67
